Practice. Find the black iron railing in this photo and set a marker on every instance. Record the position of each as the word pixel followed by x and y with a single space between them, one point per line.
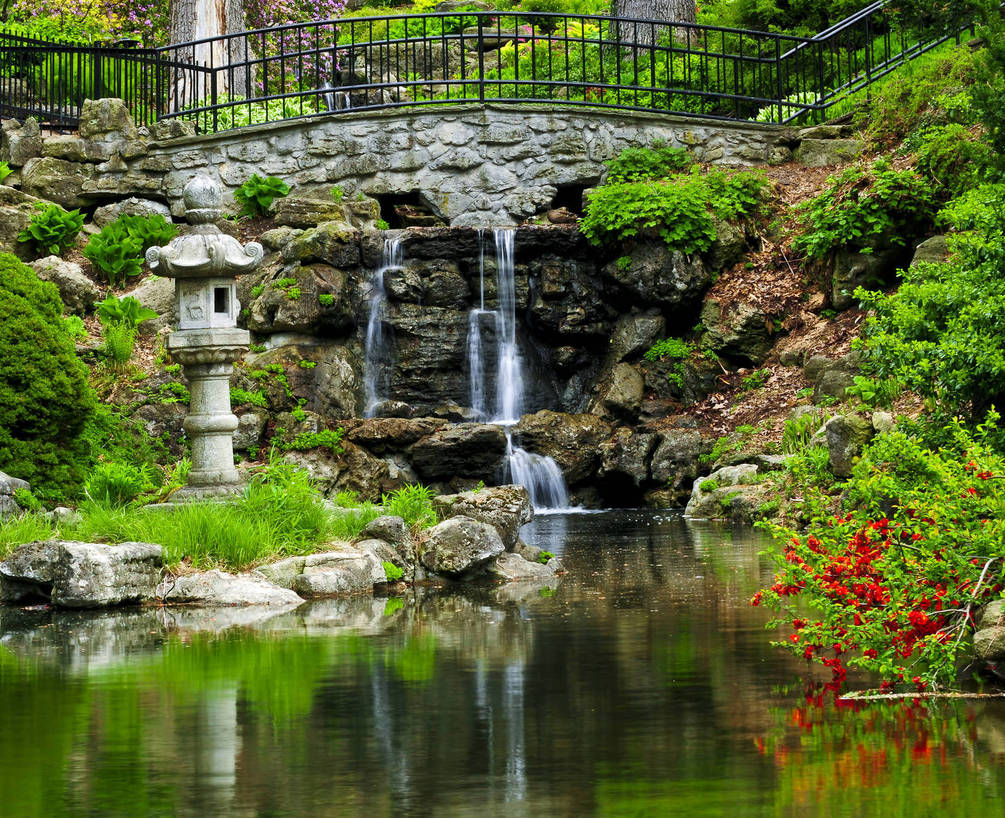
pixel 307 69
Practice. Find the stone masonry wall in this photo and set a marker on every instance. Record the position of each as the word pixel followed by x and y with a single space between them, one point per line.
pixel 472 165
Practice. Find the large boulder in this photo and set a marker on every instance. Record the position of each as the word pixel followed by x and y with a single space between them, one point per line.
pixel 626 456
pixel 19 143
pixel 304 211
pixel 346 571
pixel 16 210
pixel 819 153
pixel 675 462
pixel 515 568
pixel 620 394
pixel 104 216
pixel 727 493
pixel 81 575
pixel 846 437
pixel 659 275
pixel 634 334
pixel 77 292
pixel 853 269
pixel 459 546
pixel 220 588
pixel 354 470
pixel 505 508
pixel 572 441
pixel 335 243
pixel 8 485
pixel 392 531
pixel 315 299
pixel 737 330
pixel 472 450
pixel 101 118
pixel 57 180
pixel 383 435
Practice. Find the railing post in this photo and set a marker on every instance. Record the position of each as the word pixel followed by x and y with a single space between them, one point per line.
pixel 212 97
pixel 868 60
pixel 778 78
pixel 97 83
pixel 481 57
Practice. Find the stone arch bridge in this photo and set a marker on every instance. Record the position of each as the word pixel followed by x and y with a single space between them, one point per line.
pixel 476 164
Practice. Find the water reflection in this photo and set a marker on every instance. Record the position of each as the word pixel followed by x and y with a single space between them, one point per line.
pixel 641 684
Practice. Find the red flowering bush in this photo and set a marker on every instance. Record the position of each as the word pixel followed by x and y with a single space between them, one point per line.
pixel 892 585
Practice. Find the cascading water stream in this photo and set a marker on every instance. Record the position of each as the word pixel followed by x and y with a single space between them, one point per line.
pixel 539 474
pixel 376 362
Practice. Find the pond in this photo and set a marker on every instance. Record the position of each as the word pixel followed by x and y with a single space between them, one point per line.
pixel 642 683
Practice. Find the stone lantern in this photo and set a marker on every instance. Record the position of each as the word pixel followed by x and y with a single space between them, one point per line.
pixel 204 263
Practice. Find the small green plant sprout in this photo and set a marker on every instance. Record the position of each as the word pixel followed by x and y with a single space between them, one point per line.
pixel 337 194
pixel 708 485
pixel 873 392
pixel 242 396
pixel 284 283
pixel 299 414
pixel 256 348
pixel 755 380
pixel 75 326
pixel 293 293
pixel 257 290
pixel 307 364
pixel 545 557
pixel 173 369
pixel 624 264
pixel 256 195
pixel 392 571
pixel 326 299
pixel 330 439
pixel 380 224
pixel 5 171
pixel 51 229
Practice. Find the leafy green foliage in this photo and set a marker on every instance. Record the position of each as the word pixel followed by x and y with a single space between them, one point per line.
pixel 392 571
pixel 755 380
pixel 5 171
pixel 117 251
pixel 708 485
pixel 545 557
pixel 941 333
pixel 658 161
pixel 239 396
pixel 75 327
pixel 27 501
pixel 337 194
pixel 864 204
pixel 126 310
pixel 681 210
pixel 953 157
pixel 119 341
pixel 256 195
pixel 330 439
pixel 45 399
pixel 52 229
pixel 676 350
pixel 874 392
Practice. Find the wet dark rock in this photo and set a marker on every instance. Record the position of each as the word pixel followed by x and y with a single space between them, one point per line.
pixel 660 275
pixel 472 450
pixel 572 441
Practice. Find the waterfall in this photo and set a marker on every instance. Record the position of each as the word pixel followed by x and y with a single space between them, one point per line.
pixel 539 474
pixel 376 361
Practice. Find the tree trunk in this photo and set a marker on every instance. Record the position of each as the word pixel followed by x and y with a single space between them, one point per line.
pixel 660 12
pixel 202 19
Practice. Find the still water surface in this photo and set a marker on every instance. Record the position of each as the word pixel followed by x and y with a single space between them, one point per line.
pixel 640 684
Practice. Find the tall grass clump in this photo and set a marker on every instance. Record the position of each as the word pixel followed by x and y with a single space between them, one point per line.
pixel 18 529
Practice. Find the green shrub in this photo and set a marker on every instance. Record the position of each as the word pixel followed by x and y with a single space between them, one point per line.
pixel 874 392
pixel 45 399
pixel 51 229
pixel 545 557
pixel 114 483
pixel 337 194
pixel 796 432
pixel 19 529
pixel 953 157
pixel 5 171
pixel 380 224
pixel 681 210
pixel 330 439
pixel 75 327
pixel 239 396
pixel 673 349
pixel 658 161
pixel 755 380
pixel 256 195
pixel 708 485
pixel 115 254
pixel 863 205
pixel 27 501
pixel 413 503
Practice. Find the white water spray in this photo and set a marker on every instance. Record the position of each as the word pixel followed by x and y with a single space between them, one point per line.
pixel 376 363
